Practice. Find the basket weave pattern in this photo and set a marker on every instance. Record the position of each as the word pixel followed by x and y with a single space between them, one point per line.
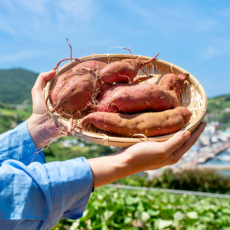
pixel 192 97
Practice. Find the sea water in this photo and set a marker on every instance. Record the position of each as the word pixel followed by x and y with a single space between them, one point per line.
pixel 216 161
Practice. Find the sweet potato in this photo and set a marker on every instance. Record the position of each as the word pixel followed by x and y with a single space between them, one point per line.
pixel 86 66
pixel 149 124
pixel 123 71
pixel 172 82
pixel 134 98
pixel 75 89
pixel 105 99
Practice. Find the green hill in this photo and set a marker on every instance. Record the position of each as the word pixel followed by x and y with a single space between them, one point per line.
pixel 16 85
pixel 219 110
pixel 217 104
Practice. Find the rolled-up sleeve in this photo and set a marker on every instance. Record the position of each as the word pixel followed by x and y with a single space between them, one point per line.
pixel 17 144
pixel 43 193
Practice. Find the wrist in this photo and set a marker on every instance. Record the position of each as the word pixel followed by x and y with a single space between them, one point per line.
pixel 138 158
pixel 108 169
pixel 38 130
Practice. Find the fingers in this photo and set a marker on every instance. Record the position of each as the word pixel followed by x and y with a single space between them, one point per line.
pixel 176 141
pixel 192 140
pixel 174 157
pixel 42 79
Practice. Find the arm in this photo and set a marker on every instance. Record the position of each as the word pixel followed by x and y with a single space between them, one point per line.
pixel 42 194
pixel 141 157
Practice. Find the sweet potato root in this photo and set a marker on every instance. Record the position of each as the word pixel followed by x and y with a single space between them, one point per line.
pixel 134 98
pixel 149 124
pixel 76 88
pixel 123 71
pixel 172 82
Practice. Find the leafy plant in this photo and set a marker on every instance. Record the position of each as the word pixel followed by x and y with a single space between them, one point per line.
pixel 111 208
pixel 195 180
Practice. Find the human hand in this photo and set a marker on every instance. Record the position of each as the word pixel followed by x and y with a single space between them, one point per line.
pixel 40 124
pixel 152 155
pixel 142 156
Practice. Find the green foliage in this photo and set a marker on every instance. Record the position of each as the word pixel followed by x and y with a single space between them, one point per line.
pixel 5 106
pixel 193 180
pixel 11 117
pixel 16 85
pixel 111 208
pixel 5 123
pixel 216 110
pixel 217 104
pixel 9 122
pixel 225 118
pixel 58 152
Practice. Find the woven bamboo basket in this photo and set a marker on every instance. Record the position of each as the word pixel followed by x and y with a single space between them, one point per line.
pixel 192 97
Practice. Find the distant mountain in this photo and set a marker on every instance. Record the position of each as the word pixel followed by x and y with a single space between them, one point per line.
pixel 217 104
pixel 16 85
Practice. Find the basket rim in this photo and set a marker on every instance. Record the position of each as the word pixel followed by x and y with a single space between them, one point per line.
pixel 127 141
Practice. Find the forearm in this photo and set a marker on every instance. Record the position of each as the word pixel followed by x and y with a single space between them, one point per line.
pixel 41 129
pixel 34 132
pixel 113 167
pixel 137 158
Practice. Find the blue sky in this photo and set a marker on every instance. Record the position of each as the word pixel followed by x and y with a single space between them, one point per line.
pixel 192 34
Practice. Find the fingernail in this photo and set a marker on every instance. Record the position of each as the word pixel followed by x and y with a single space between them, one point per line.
pixel 186 134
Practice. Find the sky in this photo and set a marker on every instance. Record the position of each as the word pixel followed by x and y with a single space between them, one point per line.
pixel 192 34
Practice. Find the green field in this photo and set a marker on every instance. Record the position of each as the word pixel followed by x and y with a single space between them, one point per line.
pixel 111 208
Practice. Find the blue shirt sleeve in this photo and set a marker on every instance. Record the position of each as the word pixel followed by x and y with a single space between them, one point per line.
pixel 17 144
pixel 38 195
pixel 42 194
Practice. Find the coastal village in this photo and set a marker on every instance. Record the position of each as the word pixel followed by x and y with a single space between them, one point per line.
pixel 209 145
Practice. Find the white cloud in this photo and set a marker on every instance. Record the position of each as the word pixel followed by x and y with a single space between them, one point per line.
pixel 224 12
pixel 210 52
pixel 220 48
pixel 20 55
pixel 6 27
pixel 27 18
pixel 172 18
pixel 208 25
pixel 38 6
pixel 134 8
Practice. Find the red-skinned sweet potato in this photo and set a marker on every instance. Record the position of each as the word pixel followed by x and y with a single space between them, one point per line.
pixel 75 89
pixel 95 66
pixel 105 99
pixel 134 98
pixel 75 93
pixel 172 82
pixel 149 124
pixel 123 71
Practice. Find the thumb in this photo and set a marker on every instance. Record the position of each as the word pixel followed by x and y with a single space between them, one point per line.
pixel 176 141
pixel 42 80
